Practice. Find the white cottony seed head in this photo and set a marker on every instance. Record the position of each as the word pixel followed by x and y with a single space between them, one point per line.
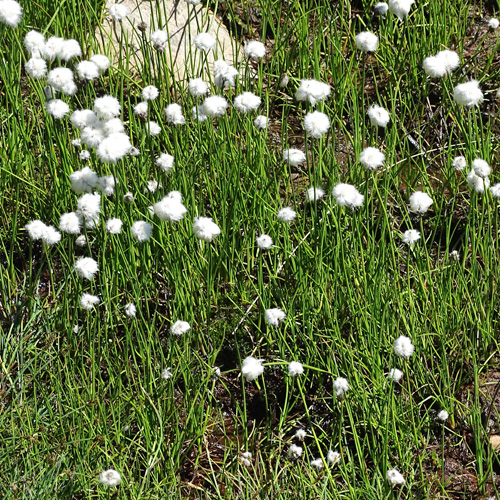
pixel 274 316
pixel 294 452
pixel 264 241
pixel 443 415
pixel 312 91
pixel 459 163
pixel 347 195
pixel 255 50
pixel 371 158
pixel 294 156
pixel 252 368
pixel 420 202
pixel 403 347
pixel 205 228
pixel 395 477
pixel 86 267
pixel 110 478
pixel 287 214
pixel 341 386
pixel 180 327
pixel 367 41
pixel 395 375
pixel 295 368
pixel 378 116
pixel 468 94
pixel 410 236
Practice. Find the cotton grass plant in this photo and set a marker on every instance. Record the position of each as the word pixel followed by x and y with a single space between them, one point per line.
pixel 303 255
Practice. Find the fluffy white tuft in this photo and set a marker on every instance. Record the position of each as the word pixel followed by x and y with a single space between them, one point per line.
pixel 34 42
pixel 165 162
pixel 198 114
pixel 261 122
pixel 274 316
pixel 403 347
pixel 347 195
pixel 481 168
pixel 341 386
pixel 371 158
pixel 224 74
pixel 316 124
pixel 214 106
pixel 395 477
pixel 180 327
pixel 294 156
pixel 197 87
pixel 82 118
pixel 247 102
pixel 141 109
pixel 287 214
pixel 314 194
pixel 114 226
pixel 52 48
pixel 459 163
pixel 332 457
pixel 113 148
pixel 159 39
pixel 69 49
pixel 495 190
pixel 130 310
pixel 204 42
pixel 443 415
pixel 36 229
pixel 477 183
pixel 205 228
pixel 380 8
pixel 367 41
pixel 118 11
pixel 255 50
pixel 295 368
pixel 58 78
pixel 86 267
pixel 174 115
pixel 395 375
pixel 110 477
pixel 420 202
pixel 468 94
pixel 411 236
pixel 169 209
pixel 70 223
pixel 264 241
pixel 493 23
pixel 141 231
pixel 87 70
pixel 11 13
pixel 89 208
pixel 88 302
pixel 101 61
pixel 149 93
pixel 312 91
pixel 36 68
pixel 56 108
pixel 378 116
pixel 107 107
pixel 252 368
pixel 153 128
pixel 294 452
pixel 400 8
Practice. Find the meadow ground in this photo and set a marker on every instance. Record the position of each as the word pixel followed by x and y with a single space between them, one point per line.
pixel 131 332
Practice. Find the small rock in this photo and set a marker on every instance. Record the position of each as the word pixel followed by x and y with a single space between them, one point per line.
pixel 181 21
pixel 495 442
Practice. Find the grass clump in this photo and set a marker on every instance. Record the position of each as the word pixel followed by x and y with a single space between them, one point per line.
pixel 203 323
